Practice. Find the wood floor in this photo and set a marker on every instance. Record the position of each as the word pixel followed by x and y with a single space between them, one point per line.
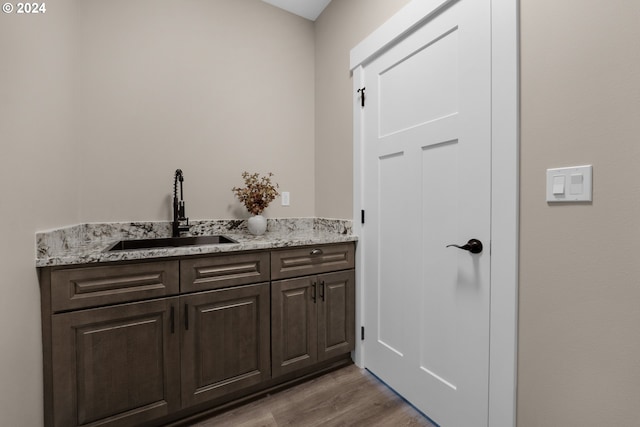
pixel 347 397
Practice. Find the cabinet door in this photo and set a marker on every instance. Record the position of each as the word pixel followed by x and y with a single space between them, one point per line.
pixel 294 324
pixel 116 366
pixel 336 316
pixel 225 341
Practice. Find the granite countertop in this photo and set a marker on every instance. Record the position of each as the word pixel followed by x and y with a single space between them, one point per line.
pixel 88 243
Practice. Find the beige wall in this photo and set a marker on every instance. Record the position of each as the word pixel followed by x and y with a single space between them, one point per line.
pixel 39 191
pixel 213 88
pixel 342 25
pixel 579 362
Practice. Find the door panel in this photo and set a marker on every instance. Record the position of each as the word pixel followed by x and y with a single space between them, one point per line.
pixel 404 106
pixel 394 292
pixel 440 274
pixel 427 152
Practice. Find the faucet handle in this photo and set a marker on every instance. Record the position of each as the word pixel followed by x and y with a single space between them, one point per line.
pixel 181 211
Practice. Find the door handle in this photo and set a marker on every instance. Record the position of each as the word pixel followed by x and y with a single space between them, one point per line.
pixel 473 245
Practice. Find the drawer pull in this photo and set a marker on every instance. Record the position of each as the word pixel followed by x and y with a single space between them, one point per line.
pixel 173 320
pixel 313 293
pixel 316 252
pixel 322 290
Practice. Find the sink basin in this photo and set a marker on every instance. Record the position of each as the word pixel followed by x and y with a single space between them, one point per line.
pixel 169 242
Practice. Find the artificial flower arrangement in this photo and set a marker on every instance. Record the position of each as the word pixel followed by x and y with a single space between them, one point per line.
pixel 257 193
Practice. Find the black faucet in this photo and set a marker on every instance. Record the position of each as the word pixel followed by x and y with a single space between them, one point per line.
pixel 178 206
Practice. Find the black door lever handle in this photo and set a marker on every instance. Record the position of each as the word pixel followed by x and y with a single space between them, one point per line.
pixel 473 245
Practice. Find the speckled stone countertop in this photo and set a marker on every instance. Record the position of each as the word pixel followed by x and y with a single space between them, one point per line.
pixel 88 243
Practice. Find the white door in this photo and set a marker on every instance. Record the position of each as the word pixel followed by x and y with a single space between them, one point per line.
pixel 427 170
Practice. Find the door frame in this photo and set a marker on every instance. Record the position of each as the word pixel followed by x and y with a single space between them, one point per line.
pixel 504 185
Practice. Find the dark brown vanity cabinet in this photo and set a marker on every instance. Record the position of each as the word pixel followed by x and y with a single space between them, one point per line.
pixel 313 317
pixel 127 344
pixel 147 342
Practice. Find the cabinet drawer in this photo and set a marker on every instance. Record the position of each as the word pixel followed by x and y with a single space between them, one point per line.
pixel 76 288
pixel 311 260
pixel 223 271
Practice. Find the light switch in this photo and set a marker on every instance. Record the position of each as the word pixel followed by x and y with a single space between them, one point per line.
pixel 558 184
pixel 571 184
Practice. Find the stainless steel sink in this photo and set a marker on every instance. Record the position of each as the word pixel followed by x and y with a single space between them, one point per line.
pixel 169 242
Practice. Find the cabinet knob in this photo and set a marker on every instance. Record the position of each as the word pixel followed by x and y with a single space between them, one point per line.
pixel 316 252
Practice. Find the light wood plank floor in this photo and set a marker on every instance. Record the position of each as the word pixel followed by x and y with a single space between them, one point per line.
pixel 347 397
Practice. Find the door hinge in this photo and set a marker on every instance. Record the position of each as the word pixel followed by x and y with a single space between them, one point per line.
pixel 362 333
pixel 362 216
pixel 361 91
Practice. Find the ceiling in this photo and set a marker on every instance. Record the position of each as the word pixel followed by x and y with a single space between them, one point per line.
pixel 309 9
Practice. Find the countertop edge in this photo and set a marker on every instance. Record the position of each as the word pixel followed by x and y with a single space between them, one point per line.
pixel 94 250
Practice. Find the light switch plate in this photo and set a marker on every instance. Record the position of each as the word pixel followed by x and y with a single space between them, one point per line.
pixel 577 184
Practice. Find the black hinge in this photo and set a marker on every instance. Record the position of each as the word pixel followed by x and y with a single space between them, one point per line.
pixel 362 216
pixel 361 91
pixel 362 333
